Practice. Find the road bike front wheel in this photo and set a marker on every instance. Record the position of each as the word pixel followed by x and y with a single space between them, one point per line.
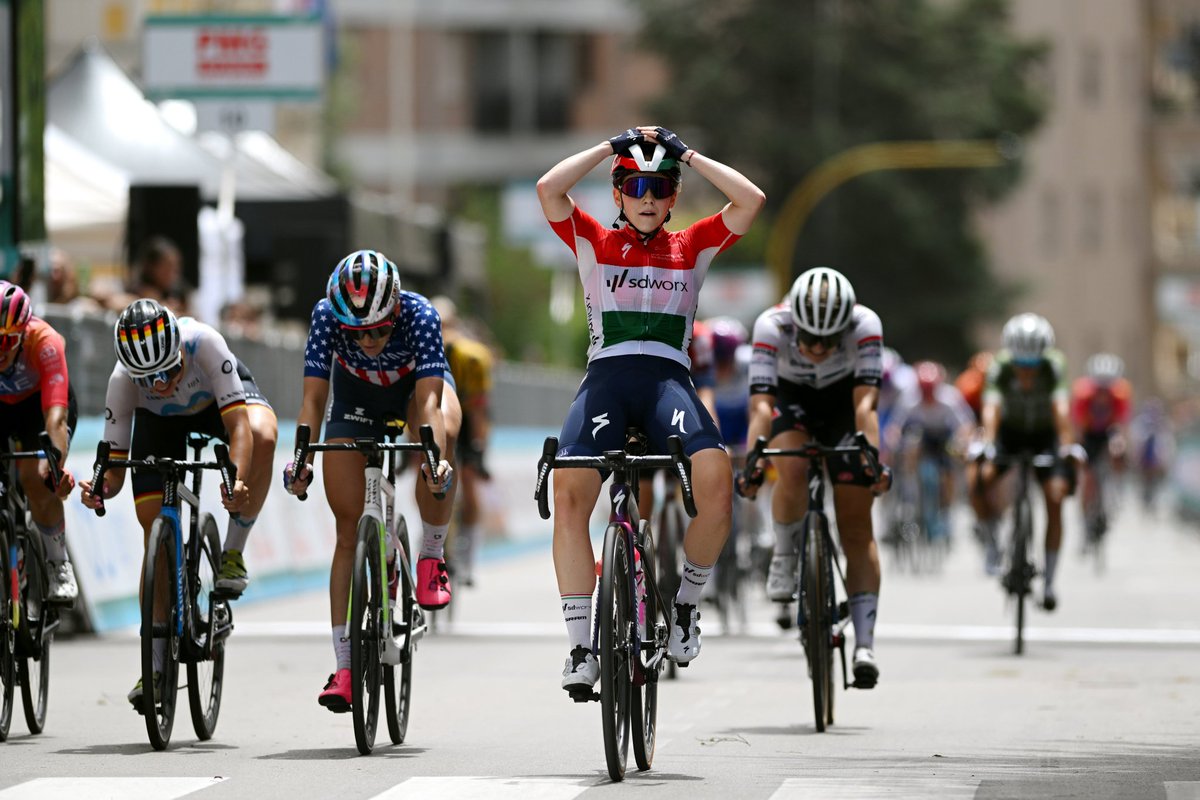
pixel 33 654
pixel 1020 570
pixel 644 699
pixel 616 684
pixel 397 693
pixel 206 676
pixel 816 598
pixel 158 703
pixel 8 672
pixel 365 617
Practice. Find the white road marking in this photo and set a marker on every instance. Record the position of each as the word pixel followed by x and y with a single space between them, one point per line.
pixel 487 789
pixel 107 788
pixel 893 788
pixel 885 632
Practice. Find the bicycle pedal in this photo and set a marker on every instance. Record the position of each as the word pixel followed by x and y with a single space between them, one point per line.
pixel 583 695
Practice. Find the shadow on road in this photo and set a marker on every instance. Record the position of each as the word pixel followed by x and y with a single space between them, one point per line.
pixel 335 753
pixel 138 748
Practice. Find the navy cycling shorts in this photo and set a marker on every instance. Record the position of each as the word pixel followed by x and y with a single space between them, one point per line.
pixel 648 392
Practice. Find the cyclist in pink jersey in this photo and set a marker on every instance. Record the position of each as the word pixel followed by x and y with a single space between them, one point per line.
pixel 640 283
pixel 37 396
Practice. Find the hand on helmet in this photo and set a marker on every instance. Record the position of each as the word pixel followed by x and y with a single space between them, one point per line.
pixel 623 141
pixel 671 143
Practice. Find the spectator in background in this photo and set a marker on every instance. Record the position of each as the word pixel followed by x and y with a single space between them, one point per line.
pixel 158 275
pixel 62 283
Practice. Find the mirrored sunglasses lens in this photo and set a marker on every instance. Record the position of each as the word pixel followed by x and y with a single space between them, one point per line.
pixel 10 341
pixel 637 186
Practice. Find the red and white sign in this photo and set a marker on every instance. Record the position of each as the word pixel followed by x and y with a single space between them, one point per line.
pixel 225 57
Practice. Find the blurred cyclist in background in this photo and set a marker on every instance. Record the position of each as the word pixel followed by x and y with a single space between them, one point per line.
pixel 1101 406
pixel 972 380
pixel 37 396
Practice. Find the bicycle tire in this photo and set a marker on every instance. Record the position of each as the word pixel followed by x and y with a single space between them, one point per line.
pixel 159 716
pixel 33 654
pixel 817 645
pixel 8 672
pixel 205 676
pixel 644 698
pixel 1020 565
pixel 398 694
pixel 615 668
pixel 363 630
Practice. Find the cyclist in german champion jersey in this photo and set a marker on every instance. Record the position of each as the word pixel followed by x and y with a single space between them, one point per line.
pixel 37 396
pixel 815 374
pixel 175 376
pixel 1026 408
pixel 379 350
pixel 640 283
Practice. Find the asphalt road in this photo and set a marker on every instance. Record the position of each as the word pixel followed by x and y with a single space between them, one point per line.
pixel 1105 703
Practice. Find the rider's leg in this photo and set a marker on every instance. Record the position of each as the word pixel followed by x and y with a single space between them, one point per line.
pixel 712 489
pixel 148 506
pixel 435 513
pixel 1055 491
pixel 468 521
pixel 789 504
pixel 46 510
pixel 575 493
pixel 852 505
pixel 345 487
pixel 264 429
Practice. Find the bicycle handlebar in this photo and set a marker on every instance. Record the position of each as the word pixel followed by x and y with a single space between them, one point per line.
pixel 48 451
pixel 427 445
pixel 165 466
pixel 613 459
pixel 814 451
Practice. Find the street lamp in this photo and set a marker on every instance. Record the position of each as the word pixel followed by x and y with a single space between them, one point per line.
pixel 864 158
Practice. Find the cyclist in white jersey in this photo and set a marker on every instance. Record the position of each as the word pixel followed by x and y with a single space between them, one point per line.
pixel 175 376
pixel 640 283
pixel 814 374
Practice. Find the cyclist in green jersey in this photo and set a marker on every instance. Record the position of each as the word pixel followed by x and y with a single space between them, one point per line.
pixel 1026 407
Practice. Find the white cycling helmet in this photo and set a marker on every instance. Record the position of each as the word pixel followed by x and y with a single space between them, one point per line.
pixel 1105 367
pixel 147 338
pixel 821 301
pixel 363 289
pixel 1028 336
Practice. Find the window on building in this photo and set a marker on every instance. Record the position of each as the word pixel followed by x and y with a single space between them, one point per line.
pixel 1091 219
pixel 492 87
pixel 1091 74
pixel 1051 222
pixel 525 81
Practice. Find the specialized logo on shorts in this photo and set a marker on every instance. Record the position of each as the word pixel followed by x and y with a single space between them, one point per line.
pixel 600 421
pixel 677 419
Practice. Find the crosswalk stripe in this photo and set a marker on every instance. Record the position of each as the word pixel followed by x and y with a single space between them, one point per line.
pixel 487 789
pixel 1178 637
pixel 106 788
pixel 895 788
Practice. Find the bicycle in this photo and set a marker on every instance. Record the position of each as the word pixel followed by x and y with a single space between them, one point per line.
pixel 180 602
pixel 1017 577
pixel 820 617
pixel 630 599
pixel 28 620
pixel 381 637
pixel 1098 509
pixel 670 524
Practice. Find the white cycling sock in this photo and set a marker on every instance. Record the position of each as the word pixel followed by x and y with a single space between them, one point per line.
pixel 434 543
pixel 466 538
pixel 341 646
pixel 862 613
pixel 691 584
pixel 238 531
pixel 787 537
pixel 1051 566
pixel 55 539
pixel 577 613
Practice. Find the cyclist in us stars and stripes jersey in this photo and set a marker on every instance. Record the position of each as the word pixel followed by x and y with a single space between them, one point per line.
pixel 379 350
pixel 640 283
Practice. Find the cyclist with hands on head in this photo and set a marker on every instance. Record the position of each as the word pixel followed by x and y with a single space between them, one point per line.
pixel 37 395
pixel 176 376
pixel 1026 406
pixel 814 374
pixel 640 284
pixel 379 350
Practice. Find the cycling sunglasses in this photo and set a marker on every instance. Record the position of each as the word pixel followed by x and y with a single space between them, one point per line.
pixel 812 340
pixel 376 334
pixel 660 186
pixel 163 376
pixel 10 341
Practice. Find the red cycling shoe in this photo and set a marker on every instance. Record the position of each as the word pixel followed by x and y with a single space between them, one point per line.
pixel 336 696
pixel 433 584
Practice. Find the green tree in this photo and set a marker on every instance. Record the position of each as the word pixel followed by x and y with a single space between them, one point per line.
pixel 775 87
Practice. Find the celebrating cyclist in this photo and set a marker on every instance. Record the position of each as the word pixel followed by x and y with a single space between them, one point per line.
pixel 640 284
pixel 37 396
pixel 1026 408
pixel 379 350
pixel 815 374
pixel 470 363
pixel 176 376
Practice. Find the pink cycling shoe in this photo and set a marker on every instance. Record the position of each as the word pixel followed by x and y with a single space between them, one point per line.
pixel 336 696
pixel 433 584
